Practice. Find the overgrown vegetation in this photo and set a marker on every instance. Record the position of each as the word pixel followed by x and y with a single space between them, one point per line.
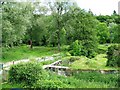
pixel 113 56
pixel 66 23
pixel 79 48
pixel 26 73
pixel 32 75
pixel 33 29
pixel 82 62
pixel 108 79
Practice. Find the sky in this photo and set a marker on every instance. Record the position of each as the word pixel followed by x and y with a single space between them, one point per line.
pixel 103 7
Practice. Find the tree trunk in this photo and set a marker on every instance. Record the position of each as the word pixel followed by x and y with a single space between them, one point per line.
pixel 31 46
pixel 59 40
pixel 58 33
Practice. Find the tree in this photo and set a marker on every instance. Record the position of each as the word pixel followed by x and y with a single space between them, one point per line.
pixel 103 33
pixel 37 34
pixel 111 28
pixel 15 20
pixel 117 19
pixel 105 19
pixel 116 34
pixel 114 12
pixel 113 55
pixel 58 17
pixel 58 8
pixel 84 29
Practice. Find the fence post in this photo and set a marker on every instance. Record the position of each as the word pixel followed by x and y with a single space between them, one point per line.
pixel 13 62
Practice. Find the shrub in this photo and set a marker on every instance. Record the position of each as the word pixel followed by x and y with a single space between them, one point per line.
pixel 79 48
pixel 52 81
pixel 113 56
pixel 27 73
pixel 102 48
pixel 67 54
pixel 75 48
pixel 49 84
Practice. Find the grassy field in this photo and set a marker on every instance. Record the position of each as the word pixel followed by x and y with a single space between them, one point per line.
pixel 82 62
pixel 24 52
pixel 99 62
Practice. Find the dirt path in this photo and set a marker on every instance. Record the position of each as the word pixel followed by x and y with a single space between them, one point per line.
pixel 8 64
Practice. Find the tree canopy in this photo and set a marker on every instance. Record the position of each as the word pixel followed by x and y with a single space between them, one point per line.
pixel 57 23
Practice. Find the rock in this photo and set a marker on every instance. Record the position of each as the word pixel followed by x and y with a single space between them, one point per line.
pixel 45 59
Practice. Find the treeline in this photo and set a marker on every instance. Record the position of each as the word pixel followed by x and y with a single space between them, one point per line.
pixel 56 24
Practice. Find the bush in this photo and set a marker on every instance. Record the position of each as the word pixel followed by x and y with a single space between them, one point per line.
pixel 102 48
pixel 113 56
pixel 52 81
pixel 79 48
pixel 49 84
pixel 67 54
pixel 75 48
pixel 27 73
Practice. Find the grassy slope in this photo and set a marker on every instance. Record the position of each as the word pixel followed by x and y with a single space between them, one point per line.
pixel 99 62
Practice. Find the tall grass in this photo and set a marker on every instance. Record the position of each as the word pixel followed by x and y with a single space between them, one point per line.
pixel 80 80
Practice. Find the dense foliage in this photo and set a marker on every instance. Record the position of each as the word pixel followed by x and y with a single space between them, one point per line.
pixel 103 33
pixel 79 48
pixel 15 21
pixel 26 73
pixel 32 22
pixel 116 34
pixel 113 56
pixel 111 79
pixel 32 75
pixel 59 23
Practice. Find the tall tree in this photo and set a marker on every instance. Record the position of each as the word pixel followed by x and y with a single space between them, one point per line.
pixel 83 27
pixel 36 34
pixel 15 18
pixel 103 33
pixel 116 34
pixel 58 8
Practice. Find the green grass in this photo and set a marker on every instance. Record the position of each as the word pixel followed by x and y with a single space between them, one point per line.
pixel 82 62
pixel 95 78
pixel 24 52
pixel 99 62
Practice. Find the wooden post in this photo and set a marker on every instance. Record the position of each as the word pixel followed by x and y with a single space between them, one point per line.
pixel 2 66
pixel 5 75
pixel 13 62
